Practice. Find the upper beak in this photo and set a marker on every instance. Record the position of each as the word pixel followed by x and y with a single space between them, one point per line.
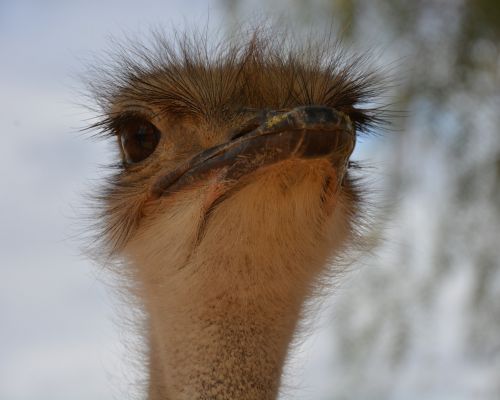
pixel 308 132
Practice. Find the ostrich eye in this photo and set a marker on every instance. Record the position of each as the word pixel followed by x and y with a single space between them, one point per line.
pixel 138 139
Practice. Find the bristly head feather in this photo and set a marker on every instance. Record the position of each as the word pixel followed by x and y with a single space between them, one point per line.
pixel 260 69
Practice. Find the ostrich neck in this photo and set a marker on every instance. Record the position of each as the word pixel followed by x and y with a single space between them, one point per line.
pixel 219 343
pixel 223 310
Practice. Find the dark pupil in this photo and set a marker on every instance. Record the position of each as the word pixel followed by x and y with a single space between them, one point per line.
pixel 139 140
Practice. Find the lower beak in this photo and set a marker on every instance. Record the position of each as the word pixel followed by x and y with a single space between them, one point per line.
pixel 308 132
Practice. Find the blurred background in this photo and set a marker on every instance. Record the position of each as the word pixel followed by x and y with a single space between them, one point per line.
pixel 418 319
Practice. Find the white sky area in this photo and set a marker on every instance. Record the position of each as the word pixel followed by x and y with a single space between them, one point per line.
pixel 58 333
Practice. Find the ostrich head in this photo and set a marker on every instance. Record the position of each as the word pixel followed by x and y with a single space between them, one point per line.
pixel 233 193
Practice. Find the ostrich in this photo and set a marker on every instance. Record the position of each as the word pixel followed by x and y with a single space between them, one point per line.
pixel 233 198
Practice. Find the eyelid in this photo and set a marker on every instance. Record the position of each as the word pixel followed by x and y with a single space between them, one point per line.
pixel 120 120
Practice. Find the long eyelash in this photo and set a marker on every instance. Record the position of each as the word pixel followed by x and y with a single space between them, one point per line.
pixel 109 125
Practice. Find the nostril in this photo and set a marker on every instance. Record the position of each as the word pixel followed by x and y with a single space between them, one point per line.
pixel 249 127
pixel 254 122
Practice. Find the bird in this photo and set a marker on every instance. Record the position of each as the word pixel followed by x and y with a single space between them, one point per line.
pixel 233 195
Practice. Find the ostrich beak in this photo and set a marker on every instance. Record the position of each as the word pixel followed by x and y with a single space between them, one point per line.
pixel 308 132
